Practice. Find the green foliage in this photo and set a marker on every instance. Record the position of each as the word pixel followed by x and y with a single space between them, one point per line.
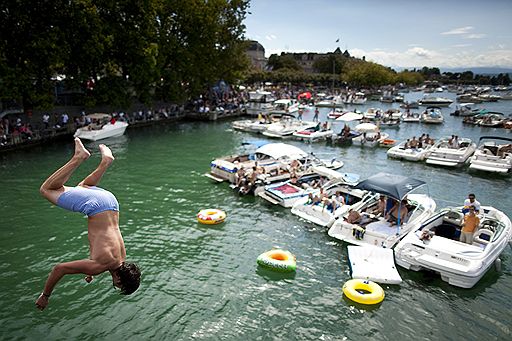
pixel 284 61
pixel 144 50
pixel 360 73
pixel 325 65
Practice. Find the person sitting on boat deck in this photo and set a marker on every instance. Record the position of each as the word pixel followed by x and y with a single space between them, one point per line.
pixel 414 143
pixel 380 208
pixel 451 142
pixel 346 131
pixel 294 167
pixel 259 169
pixel 407 144
pixel 239 176
pixel 504 150
pixel 261 119
pixel 378 136
pixel 316 199
pixel 337 200
pixel 456 143
pixel 471 202
pixel 469 226
pixel 393 214
pixel 422 138
pixel 325 126
pixel 106 245
pixel 353 216
pixel 429 140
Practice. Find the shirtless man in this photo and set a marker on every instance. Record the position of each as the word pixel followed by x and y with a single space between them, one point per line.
pixel 107 252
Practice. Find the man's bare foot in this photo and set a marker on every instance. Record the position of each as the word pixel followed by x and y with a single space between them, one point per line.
pixel 106 154
pixel 80 151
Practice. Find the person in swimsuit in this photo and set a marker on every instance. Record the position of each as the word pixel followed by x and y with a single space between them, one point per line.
pixel 107 251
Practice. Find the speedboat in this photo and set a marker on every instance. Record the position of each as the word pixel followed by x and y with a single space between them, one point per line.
pixel 435 101
pixel 335 113
pixel 103 127
pixel 331 101
pixel 287 126
pixel 375 230
pixel 285 106
pixel 491 156
pixel 411 117
pixel 443 154
pixel 373 114
pixel 287 193
pixel 261 124
pixel 432 115
pixel 317 212
pixel 491 119
pixel 356 98
pixel 411 154
pixel 435 246
pixel 313 134
pixel 466 109
pixel 370 135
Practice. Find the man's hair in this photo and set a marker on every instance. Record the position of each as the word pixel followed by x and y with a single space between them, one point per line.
pixel 129 276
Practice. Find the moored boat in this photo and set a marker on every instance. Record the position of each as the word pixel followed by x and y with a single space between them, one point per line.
pixel 375 229
pixel 450 153
pixel 435 246
pixel 102 127
pixel 491 156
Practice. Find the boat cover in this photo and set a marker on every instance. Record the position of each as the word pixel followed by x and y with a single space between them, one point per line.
pixel 281 150
pixel 393 185
pixel 373 263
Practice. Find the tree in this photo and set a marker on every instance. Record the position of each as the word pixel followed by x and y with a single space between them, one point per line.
pixel 284 61
pixel 361 73
pixel 325 64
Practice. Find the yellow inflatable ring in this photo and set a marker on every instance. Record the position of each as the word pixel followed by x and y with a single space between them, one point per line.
pixel 211 216
pixel 278 260
pixel 363 291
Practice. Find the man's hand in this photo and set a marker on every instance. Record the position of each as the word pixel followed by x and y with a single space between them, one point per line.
pixel 42 302
pixel 89 279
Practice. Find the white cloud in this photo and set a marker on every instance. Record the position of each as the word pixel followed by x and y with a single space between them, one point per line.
pixel 270 37
pixel 418 57
pixel 475 36
pixel 459 30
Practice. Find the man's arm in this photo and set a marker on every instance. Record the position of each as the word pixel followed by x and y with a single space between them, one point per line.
pixel 85 266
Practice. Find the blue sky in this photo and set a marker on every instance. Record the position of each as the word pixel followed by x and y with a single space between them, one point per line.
pixel 401 33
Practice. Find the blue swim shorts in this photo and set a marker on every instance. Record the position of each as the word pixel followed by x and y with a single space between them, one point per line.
pixel 88 200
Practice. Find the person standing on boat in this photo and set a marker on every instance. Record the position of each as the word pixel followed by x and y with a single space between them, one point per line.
pixel 471 222
pixel 299 117
pixel 106 245
pixel 471 202
pixel 315 118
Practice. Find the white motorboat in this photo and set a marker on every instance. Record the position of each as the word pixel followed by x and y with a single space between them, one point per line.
pixel 287 126
pixel 375 230
pixel 432 115
pixel 287 193
pixel 491 156
pixel 285 106
pixel 335 113
pixel 435 101
pixel 411 154
pixel 373 114
pixel 261 124
pixel 466 109
pixel 331 102
pixel 491 119
pixel 370 135
pixel 102 127
pixel 313 134
pixel 443 153
pixel 357 98
pixel 260 101
pixel 434 246
pixel 319 213
pixel 273 157
pixel 411 117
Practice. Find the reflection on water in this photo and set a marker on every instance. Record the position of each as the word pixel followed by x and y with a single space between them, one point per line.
pixel 203 281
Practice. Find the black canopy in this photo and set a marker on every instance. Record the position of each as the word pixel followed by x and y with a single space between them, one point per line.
pixel 394 186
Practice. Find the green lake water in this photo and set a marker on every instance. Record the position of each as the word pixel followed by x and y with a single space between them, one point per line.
pixel 201 282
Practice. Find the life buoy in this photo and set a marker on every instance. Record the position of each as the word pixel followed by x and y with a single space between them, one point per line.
pixel 363 291
pixel 278 260
pixel 211 216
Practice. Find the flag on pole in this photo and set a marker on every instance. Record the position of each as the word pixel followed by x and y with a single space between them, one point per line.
pixel 338 40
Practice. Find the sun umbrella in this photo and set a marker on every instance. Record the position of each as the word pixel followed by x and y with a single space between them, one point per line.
pixel 366 127
pixel 349 116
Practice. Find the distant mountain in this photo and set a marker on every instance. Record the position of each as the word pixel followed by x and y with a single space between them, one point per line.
pixel 490 70
pixel 479 70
